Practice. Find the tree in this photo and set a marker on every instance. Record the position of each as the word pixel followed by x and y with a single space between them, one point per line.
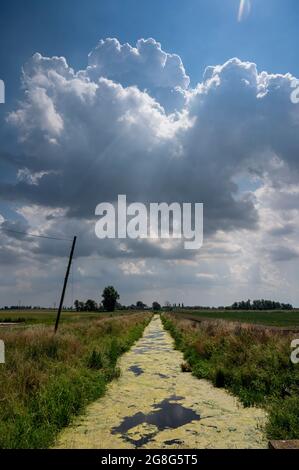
pixel 140 305
pixel 110 297
pixel 91 306
pixel 79 306
pixel 156 306
pixel 261 304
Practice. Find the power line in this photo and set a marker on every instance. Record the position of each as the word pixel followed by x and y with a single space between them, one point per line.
pixel 35 236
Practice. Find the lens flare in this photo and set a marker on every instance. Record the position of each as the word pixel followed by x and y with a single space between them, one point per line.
pixel 244 9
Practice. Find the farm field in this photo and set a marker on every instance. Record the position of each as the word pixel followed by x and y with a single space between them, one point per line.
pixel 279 318
pixel 48 316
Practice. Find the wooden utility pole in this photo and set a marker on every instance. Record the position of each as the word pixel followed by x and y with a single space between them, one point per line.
pixel 65 283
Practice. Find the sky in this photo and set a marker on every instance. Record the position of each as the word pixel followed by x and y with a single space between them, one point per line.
pixel 161 100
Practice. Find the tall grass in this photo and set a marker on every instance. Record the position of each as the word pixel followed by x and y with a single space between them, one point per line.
pixel 48 379
pixel 252 363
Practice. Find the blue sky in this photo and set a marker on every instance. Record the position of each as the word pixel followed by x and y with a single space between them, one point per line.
pixel 202 32
pixel 131 123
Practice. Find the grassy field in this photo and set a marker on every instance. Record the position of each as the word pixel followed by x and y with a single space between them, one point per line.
pixel 288 319
pixel 284 318
pixel 47 378
pixel 48 316
pixel 252 363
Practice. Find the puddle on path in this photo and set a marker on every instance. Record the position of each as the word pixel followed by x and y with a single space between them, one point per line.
pixel 136 370
pixel 167 415
pixel 158 406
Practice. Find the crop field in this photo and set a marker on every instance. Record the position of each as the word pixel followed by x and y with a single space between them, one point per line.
pixel 279 318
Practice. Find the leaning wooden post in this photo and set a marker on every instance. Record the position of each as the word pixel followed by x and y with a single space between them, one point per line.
pixel 65 283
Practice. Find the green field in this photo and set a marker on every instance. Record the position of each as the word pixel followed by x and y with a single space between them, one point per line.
pixel 280 318
pixel 48 317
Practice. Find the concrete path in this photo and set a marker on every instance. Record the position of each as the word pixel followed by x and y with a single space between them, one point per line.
pixel 155 405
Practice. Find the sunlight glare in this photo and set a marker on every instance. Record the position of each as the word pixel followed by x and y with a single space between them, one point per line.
pixel 244 9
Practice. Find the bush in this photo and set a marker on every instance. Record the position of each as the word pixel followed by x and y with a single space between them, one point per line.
pixel 219 380
pixel 185 367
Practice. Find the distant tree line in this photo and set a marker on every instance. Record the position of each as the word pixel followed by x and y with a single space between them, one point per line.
pixel 108 303
pixel 260 305
pixel 22 307
pixel 88 306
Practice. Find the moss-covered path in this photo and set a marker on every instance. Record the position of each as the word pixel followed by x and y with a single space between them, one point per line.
pixel 155 405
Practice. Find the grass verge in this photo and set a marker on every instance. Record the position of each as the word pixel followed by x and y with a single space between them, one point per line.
pixel 252 363
pixel 48 379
